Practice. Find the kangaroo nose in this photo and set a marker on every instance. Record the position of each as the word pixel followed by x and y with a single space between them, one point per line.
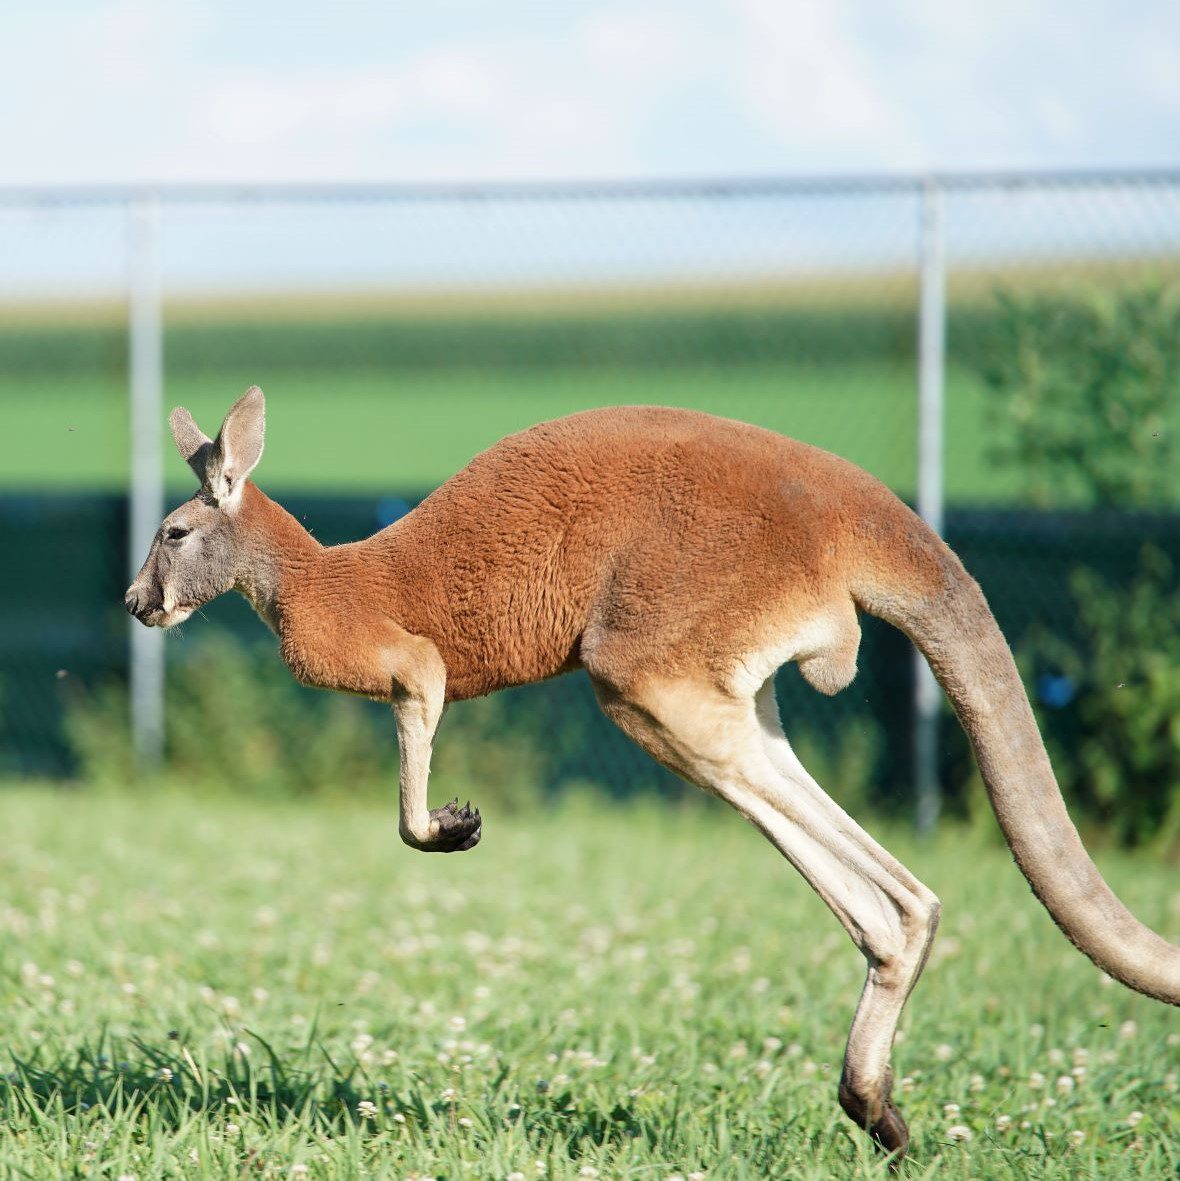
pixel 131 601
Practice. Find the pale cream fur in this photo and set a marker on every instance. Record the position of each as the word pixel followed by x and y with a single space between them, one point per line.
pixel 680 560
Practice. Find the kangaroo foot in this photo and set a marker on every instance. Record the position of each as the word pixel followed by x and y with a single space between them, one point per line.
pixel 884 1123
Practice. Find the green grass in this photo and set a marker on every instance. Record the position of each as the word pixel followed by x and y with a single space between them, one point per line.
pixel 222 988
pixel 375 431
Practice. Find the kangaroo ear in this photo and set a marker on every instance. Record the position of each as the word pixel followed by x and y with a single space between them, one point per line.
pixel 237 449
pixel 192 442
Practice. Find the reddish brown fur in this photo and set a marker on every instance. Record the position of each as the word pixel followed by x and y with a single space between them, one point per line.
pixel 631 538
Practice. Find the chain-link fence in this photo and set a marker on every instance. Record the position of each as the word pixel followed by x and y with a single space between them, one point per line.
pixel 397 331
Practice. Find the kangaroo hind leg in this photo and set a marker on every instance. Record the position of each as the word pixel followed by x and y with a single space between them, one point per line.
pixel 734 748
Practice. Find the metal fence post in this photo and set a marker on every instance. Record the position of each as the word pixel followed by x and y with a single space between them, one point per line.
pixel 931 350
pixel 147 472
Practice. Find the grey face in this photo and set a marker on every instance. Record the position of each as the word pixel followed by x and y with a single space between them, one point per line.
pixel 195 555
pixel 192 560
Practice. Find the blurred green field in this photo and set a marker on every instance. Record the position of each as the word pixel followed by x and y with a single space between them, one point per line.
pixel 376 431
pixel 219 987
pixel 392 394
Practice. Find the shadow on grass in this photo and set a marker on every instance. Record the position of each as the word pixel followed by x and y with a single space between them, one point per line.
pixel 137 1078
pixel 133 1079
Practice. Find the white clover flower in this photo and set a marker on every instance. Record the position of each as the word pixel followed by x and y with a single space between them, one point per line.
pixel 943 1052
pixel 261 996
pixel 950 1110
pixel 1065 1084
pixel 515 1175
pixel 398 1118
pixel 1134 1118
pixel 1036 1080
pixel 1003 1123
pixel 466 1122
pixel 366 1109
pixel 457 1022
pixel 164 1074
pixel 298 1170
pixel 697 1176
pixel 232 1131
pixel 1036 1030
pixel 959 1133
pixel 587 1171
pixel 1128 1029
pixel 976 1083
pixel 362 1042
pixel 128 988
pixel 1076 1137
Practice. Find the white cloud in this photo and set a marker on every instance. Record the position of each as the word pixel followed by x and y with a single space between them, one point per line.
pixel 131 89
pixel 800 69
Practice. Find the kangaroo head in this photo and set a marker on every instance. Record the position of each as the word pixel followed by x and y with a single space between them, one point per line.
pixel 200 550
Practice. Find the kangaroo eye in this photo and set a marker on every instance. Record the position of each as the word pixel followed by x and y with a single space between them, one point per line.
pixel 176 532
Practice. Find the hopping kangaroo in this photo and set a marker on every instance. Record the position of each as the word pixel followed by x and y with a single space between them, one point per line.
pixel 679 559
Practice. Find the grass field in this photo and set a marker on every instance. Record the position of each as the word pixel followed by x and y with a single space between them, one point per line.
pixel 232 989
pixel 375 431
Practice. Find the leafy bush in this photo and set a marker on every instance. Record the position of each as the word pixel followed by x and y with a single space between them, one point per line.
pixel 1082 386
pixel 1113 698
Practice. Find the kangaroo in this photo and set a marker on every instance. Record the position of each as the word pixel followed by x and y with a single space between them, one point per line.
pixel 680 559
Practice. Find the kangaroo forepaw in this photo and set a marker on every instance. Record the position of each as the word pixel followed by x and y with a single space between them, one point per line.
pixel 453 829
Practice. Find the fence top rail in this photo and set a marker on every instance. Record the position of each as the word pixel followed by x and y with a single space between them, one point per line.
pixel 719 187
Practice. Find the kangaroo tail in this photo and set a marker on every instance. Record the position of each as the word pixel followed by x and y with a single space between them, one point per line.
pixel 912 580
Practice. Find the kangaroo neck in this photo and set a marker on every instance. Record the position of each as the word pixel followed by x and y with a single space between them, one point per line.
pixel 275 556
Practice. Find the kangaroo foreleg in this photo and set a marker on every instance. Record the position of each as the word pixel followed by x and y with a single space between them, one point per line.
pixel 418 703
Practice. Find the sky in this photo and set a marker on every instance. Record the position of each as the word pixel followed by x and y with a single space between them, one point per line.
pixel 274 90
